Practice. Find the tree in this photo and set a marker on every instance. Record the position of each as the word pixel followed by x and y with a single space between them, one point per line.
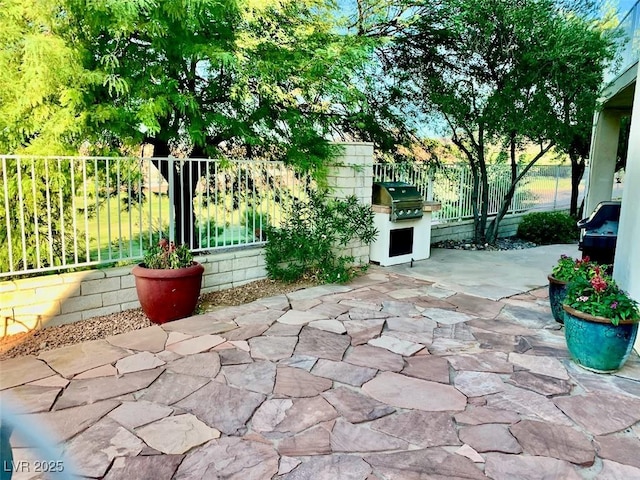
pixel 269 79
pixel 500 72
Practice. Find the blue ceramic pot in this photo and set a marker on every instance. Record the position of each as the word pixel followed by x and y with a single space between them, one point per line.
pixel 595 344
pixel 557 294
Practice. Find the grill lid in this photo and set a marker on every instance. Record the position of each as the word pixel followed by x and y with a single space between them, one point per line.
pixel 404 199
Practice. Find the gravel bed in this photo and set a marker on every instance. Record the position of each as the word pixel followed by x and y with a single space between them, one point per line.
pixel 507 243
pixel 32 343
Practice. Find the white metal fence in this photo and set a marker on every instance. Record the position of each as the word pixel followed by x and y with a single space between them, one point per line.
pixel 59 213
pixel 544 187
pixel 65 212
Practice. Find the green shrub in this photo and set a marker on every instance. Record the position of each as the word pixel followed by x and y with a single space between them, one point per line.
pixel 309 242
pixel 545 228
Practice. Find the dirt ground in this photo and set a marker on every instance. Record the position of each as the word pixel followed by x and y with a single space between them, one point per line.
pixel 37 341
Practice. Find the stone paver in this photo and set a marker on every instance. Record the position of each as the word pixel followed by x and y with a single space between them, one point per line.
pixel 196 344
pixel 64 424
pixel 477 415
pixel 344 467
pixel 31 398
pixel 551 367
pixel 150 339
pixel 427 367
pixel 318 343
pixel 158 467
pixel 298 317
pixel 171 387
pixel 81 392
pixel 177 434
pixel 396 345
pixel 229 457
pixel 620 449
pixel 500 466
pixel 427 463
pixel 356 407
pixel 446 317
pixel 68 361
pixel 314 441
pixel 478 384
pixel 138 362
pixel 296 382
pixel 601 414
pixel 424 429
pixel 557 441
pixel 618 471
pixel 272 348
pixel 135 414
pixel 205 364
pixel 391 388
pixel 21 370
pixel 389 378
pixel 256 377
pixel 541 384
pixel 347 437
pixel 343 372
pixel 232 407
pixel 374 357
pixel 93 450
pixel 199 325
pixel 490 437
pixel 528 403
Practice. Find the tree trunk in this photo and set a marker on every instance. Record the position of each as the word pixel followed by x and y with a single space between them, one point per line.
pixel 480 231
pixel 577 171
pixel 183 182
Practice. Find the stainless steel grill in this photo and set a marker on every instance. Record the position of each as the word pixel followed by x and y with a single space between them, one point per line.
pixel 405 200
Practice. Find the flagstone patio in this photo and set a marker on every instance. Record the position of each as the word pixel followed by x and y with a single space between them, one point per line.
pixel 389 377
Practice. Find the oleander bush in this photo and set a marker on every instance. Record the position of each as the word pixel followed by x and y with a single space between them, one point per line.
pixel 311 241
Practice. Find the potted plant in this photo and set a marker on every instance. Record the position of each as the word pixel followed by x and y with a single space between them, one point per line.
pixel 168 282
pixel 566 270
pixel 601 322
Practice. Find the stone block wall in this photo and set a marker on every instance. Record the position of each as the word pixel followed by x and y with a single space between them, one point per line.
pixel 464 230
pixel 50 300
pixel 352 174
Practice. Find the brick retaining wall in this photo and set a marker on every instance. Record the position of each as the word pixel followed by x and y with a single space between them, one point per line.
pixel 38 302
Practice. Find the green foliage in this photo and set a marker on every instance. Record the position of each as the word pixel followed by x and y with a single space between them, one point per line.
pixel 545 228
pixel 310 240
pixel 567 269
pixel 166 255
pixel 598 294
pixel 507 73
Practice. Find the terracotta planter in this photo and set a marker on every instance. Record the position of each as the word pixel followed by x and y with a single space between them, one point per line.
pixel 168 294
pixel 595 343
pixel 557 294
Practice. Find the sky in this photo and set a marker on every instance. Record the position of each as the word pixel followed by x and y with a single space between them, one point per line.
pixel 625 5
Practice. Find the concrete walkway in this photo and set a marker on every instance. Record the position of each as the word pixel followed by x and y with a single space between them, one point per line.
pixel 452 369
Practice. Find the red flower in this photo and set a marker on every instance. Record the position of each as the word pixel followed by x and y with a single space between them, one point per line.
pixel 598 283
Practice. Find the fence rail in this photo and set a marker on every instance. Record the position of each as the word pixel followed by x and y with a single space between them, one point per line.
pixel 60 213
pixel 544 187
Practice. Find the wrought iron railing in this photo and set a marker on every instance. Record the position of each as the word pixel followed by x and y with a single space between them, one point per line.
pixel 544 187
pixel 59 213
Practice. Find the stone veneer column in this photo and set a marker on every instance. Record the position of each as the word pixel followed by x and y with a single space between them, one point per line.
pixel 352 174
